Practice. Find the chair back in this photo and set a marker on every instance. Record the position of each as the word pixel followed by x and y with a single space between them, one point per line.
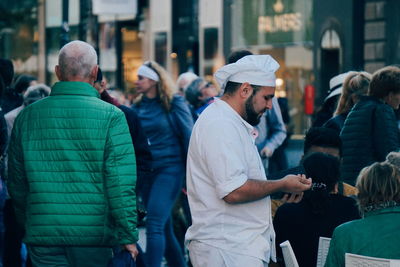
pixel 354 260
pixel 323 248
pixel 288 254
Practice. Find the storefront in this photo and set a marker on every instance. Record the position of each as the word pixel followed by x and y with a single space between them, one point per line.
pixel 113 32
pixel 19 35
pixel 282 29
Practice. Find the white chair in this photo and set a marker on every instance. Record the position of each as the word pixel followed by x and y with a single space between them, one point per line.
pixel 323 248
pixel 288 254
pixel 354 260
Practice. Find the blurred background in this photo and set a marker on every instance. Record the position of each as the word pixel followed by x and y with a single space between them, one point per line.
pixel 313 40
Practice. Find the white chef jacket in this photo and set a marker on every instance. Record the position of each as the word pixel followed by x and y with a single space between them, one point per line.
pixel 222 156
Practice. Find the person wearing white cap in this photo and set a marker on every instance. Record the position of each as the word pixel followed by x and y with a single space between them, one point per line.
pixel 330 103
pixel 271 129
pixel 227 187
pixel 167 122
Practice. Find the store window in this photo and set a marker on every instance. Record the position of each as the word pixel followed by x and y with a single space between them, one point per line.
pixel 210 45
pixel 131 56
pixel 330 57
pixel 282 29
pixel 160 48
pixel 107 52
pixel 19 35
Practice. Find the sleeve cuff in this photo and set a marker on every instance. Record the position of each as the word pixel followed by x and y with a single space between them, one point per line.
pixel 226 188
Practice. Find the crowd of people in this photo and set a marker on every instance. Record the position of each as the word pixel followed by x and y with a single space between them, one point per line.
pixel 80 171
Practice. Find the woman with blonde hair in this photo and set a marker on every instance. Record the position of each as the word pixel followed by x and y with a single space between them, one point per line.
pixel 377 234
pixel 167 121
pixel 354 86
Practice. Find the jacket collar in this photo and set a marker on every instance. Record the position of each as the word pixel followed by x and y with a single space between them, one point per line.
pixel 74 88
pixel 395 209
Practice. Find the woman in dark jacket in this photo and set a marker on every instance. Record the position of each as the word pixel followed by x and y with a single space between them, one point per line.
pixel 167 121
pixel 354 86
pixel 370 131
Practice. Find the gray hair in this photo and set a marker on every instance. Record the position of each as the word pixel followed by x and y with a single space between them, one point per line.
pixel 185 79
pixel 193 92
pixel 35 93
pixel 76 59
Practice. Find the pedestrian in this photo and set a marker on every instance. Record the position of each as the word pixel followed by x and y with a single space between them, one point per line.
pixel 227 187
pixel 370 131
pixel 320 211
pixel 377 233
pixel 140 144
pixel 14 232
pixel 354 86
pixel 6 77
pixel 279 160
pixel 184 80
pixel 200 94
pixel 31 95
pixel 13 96
pixel 330 103
pixel 72 170
pixel 167 121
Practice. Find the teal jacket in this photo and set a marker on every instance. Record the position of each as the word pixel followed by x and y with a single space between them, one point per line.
pixel 72 170
pixel 376 235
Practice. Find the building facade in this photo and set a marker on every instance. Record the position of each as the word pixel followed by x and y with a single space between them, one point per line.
pixel 312 40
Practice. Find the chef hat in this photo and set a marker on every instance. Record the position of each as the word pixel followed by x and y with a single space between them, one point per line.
pixel 254 69
pixel 148 72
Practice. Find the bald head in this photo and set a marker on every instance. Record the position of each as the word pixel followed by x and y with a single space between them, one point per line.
pixel 77 61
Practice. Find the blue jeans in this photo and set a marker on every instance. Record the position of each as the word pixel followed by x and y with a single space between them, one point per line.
pixel 159 232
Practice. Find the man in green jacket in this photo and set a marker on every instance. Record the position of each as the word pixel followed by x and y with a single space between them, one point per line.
pixel 72 170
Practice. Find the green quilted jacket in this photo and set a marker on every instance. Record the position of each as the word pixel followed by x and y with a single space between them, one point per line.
pixel 72 170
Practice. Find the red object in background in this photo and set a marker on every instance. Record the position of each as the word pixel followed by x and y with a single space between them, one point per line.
pixel 309 96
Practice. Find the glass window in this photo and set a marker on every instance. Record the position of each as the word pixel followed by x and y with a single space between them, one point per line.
pixel 131 55
pixel 160 48
pixel 19 35
pixel 210 46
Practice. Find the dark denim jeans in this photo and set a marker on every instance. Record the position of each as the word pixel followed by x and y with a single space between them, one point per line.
pixel 161 240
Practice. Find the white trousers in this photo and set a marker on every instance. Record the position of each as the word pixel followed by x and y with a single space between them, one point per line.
pixel 202 255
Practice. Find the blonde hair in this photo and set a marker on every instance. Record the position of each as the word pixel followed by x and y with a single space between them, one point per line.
pixel 378 184
pixel 355 84
pixel 394 159
pixel 165 86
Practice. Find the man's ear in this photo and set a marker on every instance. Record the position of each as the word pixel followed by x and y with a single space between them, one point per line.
pixel 58 72
pixel 93 73
pixel 245 90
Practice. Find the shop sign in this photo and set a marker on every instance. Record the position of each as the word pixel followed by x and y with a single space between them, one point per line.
pixel 114 7
pixel 277 21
